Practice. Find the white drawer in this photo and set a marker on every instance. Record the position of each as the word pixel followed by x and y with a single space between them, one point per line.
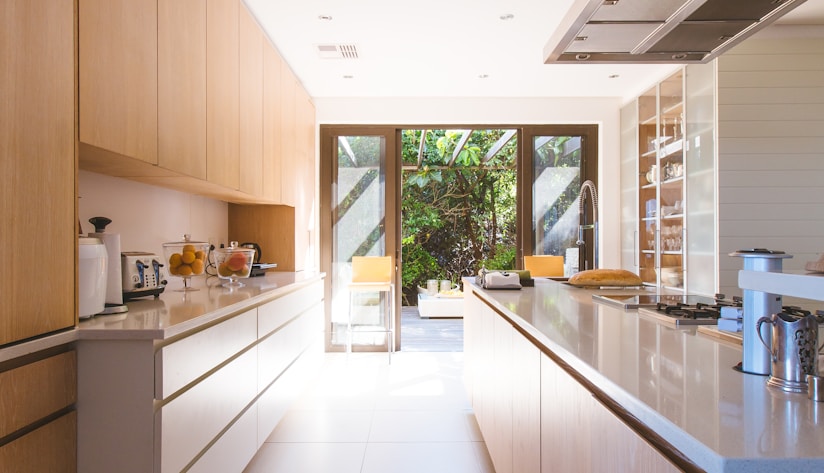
pixel 188 423
pixel 277 312
pixel 183 361
pixel 277 351
pixel 234 449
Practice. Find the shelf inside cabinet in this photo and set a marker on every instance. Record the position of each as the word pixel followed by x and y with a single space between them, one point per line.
pixel 673 180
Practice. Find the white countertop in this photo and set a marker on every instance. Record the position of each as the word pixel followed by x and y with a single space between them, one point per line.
pixel 173 313
pixel 677 381
pixel 176 312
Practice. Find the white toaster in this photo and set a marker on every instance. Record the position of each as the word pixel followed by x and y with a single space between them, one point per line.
pixel 143 274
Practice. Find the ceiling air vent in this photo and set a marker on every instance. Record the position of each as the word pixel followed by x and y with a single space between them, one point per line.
pixel 650 31
pixel 337 51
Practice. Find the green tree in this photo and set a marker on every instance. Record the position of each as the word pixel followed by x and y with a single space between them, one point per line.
pixel 458 209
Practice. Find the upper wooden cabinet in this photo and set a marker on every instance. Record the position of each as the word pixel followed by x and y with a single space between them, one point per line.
pixel 37 164
pixel 272 65
pixel 191 95
pixel 118 76
pixel 288 135
pixel 222 111
pixel 251 104
pixel 181 84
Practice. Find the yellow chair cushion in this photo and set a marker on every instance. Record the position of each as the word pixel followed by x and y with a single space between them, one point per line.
pixel 372 269
pixel 544 265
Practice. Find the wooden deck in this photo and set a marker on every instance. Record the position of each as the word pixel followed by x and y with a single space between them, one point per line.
pixel 433 335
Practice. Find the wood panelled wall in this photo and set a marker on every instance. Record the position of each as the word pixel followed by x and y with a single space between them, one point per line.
pixel 771 152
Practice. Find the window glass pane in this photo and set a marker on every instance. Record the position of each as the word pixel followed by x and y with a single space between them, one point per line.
pixel 556 174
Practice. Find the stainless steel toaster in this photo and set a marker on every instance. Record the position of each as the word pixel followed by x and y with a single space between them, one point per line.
pixel 143 274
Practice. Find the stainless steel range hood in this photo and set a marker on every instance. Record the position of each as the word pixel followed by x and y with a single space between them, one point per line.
pixel 658 31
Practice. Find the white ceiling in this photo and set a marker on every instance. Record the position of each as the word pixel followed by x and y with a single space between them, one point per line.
pixel 442 48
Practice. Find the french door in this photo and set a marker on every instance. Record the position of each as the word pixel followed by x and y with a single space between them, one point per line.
pixel 359 211
pixel 360 189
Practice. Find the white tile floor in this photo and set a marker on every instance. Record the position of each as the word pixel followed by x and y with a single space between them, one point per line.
pixel 364 415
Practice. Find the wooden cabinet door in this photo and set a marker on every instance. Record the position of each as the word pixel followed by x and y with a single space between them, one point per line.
pixel 272 65
pixel 181 72
pixel 222 163
pixel 118 76
pixel 526 406
pixel 37 390
pixel 566 410
pixel 304 178
pixel 51 448
pixel 251 104
pixel 288 132
pixel 37 198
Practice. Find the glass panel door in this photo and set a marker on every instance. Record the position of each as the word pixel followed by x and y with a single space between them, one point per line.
pixel 360 198
pixel 557 171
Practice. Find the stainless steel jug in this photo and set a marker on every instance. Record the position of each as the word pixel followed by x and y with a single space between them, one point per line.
pixel 794 350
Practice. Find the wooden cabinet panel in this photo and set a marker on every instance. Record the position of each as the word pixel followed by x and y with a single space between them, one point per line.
pixel 181 77
pixel 526 406
pixel 251 104
pixel 565 421
pixel 304 178
pixel 272 65
pixel 36 390
pixel 288 133
pixel 51 448
pixel 619 448
pixel 271 226
pixel 501 429
pixel 118 76
pixel 37 198
pixel 222 101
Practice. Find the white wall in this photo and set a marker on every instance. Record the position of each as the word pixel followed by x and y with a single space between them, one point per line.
pixel 771 149
pixel 147 216
pixel 603 112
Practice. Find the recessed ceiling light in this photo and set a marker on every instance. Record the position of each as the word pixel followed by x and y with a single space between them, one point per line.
pixel 679 56
pixel 582 57
pixel 325 17
pixel 614 76
pixel 483 76
pixel 507 16
pixel 348 76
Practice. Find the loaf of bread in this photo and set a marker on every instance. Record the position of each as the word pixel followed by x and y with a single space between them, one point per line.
pixel 605 277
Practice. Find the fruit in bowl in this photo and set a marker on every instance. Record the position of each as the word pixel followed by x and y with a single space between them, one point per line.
pixel 233 263
pixel 186 259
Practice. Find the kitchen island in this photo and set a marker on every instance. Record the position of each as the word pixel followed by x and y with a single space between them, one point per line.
pixel 559 382
pixel 196 381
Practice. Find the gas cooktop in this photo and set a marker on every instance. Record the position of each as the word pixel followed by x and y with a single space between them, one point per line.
pixel 634 301
pixel 691 312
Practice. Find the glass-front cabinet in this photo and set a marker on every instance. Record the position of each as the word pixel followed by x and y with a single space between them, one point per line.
pixel 661 183
pixel 670 148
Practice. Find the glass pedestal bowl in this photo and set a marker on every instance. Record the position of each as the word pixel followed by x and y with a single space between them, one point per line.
pixel 186 259
pixel 233 263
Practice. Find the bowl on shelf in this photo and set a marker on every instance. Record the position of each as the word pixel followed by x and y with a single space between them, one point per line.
pixel 671 275
pixel 233 263
pixel 186 259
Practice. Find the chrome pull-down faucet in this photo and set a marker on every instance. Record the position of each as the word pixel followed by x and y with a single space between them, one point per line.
pixel 582 219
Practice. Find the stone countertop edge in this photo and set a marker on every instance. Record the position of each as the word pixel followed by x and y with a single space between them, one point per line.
pixel 142 322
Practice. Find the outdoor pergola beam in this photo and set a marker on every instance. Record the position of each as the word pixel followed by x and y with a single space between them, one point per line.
pixel 421 148
pixel 502 141
pixel 461 143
